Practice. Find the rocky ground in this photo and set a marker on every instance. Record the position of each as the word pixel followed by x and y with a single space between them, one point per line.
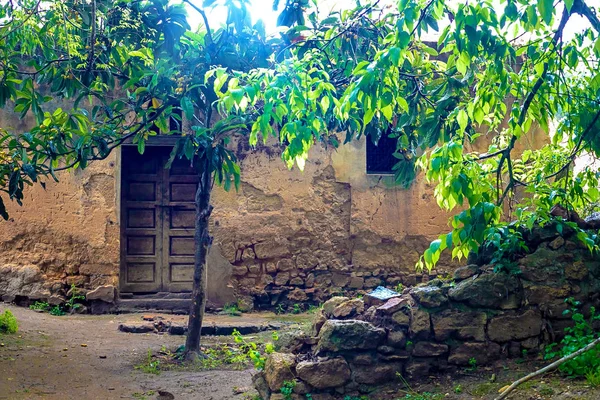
pixel 87 357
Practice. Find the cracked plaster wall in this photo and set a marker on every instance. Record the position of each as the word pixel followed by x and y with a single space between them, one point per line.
pixel 286 236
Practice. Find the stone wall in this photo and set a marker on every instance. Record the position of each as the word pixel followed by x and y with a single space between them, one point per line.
pixel 286 237
pixel 480 315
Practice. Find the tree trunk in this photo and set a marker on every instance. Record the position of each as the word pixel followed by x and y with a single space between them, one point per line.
pixel 202 241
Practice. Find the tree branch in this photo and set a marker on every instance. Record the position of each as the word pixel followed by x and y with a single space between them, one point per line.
pixel 547 368
pixel 584 10
pixel 203 14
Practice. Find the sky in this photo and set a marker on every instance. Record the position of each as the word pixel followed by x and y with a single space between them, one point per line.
pixel 263 9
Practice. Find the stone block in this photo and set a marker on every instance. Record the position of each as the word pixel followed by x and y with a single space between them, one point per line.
pixel 279 367
pixel 336 335
pixel 104 293
pixel 465 272
pixel 429 296
pixel 483 353
pixel 356 282
pixel 297 295
pixel 509 327
pixel 349 308
pixel 332 303
pixel 282 278
pixel 420 324
pixel 491 290
pixel 239 270
pixel 401 319
pixel 376 374
pixel 392 306
pixel 285 265
pixel 396 338
pixel 458 324
pixel 324 374
pixel 429 349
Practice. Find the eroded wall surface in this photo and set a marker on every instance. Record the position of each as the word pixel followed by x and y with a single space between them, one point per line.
pixel 285 236
pixel 303 236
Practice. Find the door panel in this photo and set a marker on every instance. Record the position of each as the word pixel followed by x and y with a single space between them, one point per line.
pixel 158 219
pixel 178 231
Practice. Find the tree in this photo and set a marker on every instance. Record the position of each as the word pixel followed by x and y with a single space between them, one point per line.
pixel 368 71
pixel 496 71
pixel 123 69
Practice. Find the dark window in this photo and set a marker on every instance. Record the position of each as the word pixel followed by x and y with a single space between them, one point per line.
pixel 380 159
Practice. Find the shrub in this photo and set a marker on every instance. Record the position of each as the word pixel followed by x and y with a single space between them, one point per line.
pixel 8 323
pixel 576 338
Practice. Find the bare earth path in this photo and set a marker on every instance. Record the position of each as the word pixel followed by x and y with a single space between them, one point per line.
pixel 46 359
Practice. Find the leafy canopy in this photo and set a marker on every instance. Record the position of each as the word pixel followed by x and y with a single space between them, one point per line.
pixel 443 78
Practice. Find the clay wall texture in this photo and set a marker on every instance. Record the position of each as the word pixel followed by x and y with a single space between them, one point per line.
pixel 285 237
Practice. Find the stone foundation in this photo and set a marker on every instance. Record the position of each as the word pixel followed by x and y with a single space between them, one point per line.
pixel 475 318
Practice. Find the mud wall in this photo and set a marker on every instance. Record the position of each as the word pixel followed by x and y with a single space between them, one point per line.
pixel 286 237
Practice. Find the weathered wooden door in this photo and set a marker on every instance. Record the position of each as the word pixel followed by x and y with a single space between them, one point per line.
pixel 157 223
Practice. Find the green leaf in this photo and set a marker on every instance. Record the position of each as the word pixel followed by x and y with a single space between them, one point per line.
pixel 569 4
pixel 546 10
pixel 463 119
pixel 325 104
pixel 188 107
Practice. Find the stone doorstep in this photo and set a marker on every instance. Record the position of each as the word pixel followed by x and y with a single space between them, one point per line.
pixel 178 329
pixel 153 296
pixel 157 305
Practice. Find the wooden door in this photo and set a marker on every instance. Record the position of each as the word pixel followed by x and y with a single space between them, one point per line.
pixel 181 182
pixel 157 227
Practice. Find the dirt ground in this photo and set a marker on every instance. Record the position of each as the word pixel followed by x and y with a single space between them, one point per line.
pixel 86 357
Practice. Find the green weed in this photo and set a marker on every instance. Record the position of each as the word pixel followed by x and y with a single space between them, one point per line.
pixel 593 378
pixel 57 311
pixel 287 389
pixel 40 305
pixel 150 365
pixel 8 322
pixel 576 338
pixel 232 309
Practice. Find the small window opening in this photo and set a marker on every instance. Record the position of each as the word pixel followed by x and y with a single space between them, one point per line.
pixel 380 156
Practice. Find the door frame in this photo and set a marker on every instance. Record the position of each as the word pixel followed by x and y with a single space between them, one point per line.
pixel 166 142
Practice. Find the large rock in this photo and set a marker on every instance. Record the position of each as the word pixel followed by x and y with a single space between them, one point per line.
pixel 429 296
pixel 324 374
pixel 349 308
pixel 492 290
pixel 260 384
pixel 541 266
pixel 375 374
pixel 483 353
pixel 400 318
pixel 514 327
pixel 420 324
pixel 429 349
pixel 332 303
pixel 393 305
pixel 103 293
pixel 458 324
pixel 350 334
pixel 27 280
pixel 466 272
pixel 397 339
pixel 279 368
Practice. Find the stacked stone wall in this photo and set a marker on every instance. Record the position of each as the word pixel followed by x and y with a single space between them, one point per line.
pixel 477 317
